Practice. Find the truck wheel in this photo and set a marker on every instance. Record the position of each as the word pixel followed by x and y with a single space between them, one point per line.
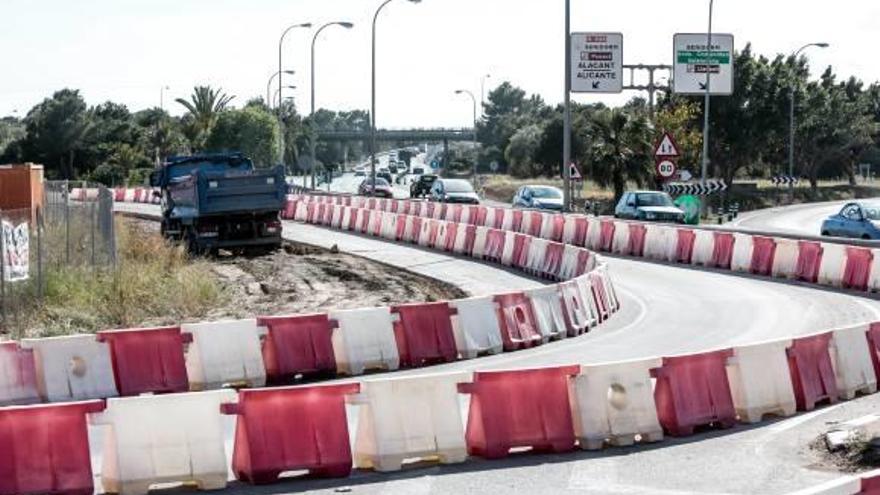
pixel 192 243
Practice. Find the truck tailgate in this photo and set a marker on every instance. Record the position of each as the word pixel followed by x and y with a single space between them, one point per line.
pixel 258 192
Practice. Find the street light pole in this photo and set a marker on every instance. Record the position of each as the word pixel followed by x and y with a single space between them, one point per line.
pixel 476 152
pixel 277 100
pixel 707 99
pixel 269 86
pixel 162 97
pixel 566 131
pixel 483 92
pixel 312 139
pixel 280 81
pixel 792 116
pixel 373 98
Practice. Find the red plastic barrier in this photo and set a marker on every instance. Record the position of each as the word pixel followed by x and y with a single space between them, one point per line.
pixel 400 228
pixel 519 328
pixel 119 194
pixel 477 216
pixel 553 259
pixel 45 449
pixel 470 236
pixel 456 213
pixel 870 486
pixel 535 224
pixel 873 336
pixel 451 235
pixel 499 218
pixel 395 206
pixel 429 210
pixel 684 249
pixel 584 262
pixel 722 252
pixel 580 231
pixel 416 229
pixel 858 268
pixel 23 376
pixel 297 345
pixel 371 204
pixel 148 359
pixel 433 232
pixel 521 244
pixel 574 303
pixel 293 428
pixel 517 220
pixel 763 253
pixel 694 391
pixel 494 245
pixel 558 221
pixel 376 223
pixel 812 375
pixel 809 260
pixel 606 235
pixel 423 332
pixel 289 209
pixel 597 287
pixel 525 408
pixel 636 243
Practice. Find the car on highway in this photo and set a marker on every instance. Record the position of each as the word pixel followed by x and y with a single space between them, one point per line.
pixel 538 197
pixel 453 191
pixel 857 220
pixel 418 170
pixel 650 206
pixel 382 188
pixel 422 185
pixel 386 175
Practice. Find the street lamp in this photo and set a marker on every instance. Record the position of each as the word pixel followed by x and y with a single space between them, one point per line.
pixel 312 144
pixel 483 92
pixel 373 98
pixel 476 153
pixel 269 85
pixel 791 115
pixel 162 96
pixel 281 143
pixel 277 100
pixel 706 98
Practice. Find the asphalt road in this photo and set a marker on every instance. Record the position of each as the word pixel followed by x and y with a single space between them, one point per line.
pixel 667 310
pixel 797 219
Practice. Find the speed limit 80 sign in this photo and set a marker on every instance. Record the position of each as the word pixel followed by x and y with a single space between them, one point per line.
pixel 665 169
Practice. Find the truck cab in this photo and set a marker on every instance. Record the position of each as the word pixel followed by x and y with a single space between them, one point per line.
pixel 220 201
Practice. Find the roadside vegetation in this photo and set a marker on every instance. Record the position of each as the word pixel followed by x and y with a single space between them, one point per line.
pixel 153 281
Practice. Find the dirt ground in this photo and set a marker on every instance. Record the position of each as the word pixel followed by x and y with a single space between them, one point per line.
pixel 304 279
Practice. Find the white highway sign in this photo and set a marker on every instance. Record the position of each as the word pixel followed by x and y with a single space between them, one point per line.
pixel 692 59
pixel 597 62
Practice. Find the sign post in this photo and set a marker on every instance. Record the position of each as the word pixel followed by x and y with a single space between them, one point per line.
pixel 694 59
pixel 665 155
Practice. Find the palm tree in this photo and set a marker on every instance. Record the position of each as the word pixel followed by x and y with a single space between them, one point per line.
pixel 620 149
pixel 204 106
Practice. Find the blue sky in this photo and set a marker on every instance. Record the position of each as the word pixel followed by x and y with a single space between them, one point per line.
pixel 125 50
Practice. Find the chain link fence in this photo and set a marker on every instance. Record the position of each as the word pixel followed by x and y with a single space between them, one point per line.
pixel 72 229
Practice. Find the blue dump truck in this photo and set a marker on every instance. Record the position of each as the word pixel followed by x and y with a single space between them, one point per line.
pixel 220 201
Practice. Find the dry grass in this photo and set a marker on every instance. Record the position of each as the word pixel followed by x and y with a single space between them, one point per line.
pixel 153 281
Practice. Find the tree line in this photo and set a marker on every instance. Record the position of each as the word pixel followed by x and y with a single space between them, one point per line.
pixel 837 128
pixel 108 143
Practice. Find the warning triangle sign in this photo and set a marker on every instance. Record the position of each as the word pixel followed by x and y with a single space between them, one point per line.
pixel 666 148
pixel 574 172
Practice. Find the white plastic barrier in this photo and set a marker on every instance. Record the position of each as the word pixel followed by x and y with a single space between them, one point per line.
pixel 833 263
pixel 444 230
pixel 302 211
pixel 537 253
pixel 509 243
pixel 661 242
pixel 475 327
pixel 225 353
pixel 615 402
pixel 73 367
pixel 364 339
pixel 594 233
pixel 163 439
pixel 409 418
pixel 620 241
pixel 506 219
pixel 547 305
pixel 568 267
pixel 461 238
pixel 785 258
pixel 389 226
pixel 480 242
pixel 336 218
pixel 874 276
pixel 704 243
pixel 570 228
pixel 741 259
pixel 586 288
pixel 844 485
pixel 760 381
pixel 613 300
pixel 425 232
pixel 129 196
pixel 851 358
pixel 577 306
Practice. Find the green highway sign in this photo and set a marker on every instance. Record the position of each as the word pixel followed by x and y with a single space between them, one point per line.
pixel 686 57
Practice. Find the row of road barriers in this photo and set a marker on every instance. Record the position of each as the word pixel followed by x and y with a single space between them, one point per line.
pixel 177 436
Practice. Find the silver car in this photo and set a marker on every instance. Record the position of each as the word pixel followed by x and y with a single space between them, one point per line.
pixel 650 206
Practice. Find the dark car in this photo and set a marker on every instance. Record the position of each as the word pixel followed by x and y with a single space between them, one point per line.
pixel 855 220
pixel 539 197
pixel 422 185
pixel 381 188
pixel 454 191
pixel 385 175
pixel 650 206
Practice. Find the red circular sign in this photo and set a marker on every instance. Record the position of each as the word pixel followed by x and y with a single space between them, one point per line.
pixel 666 169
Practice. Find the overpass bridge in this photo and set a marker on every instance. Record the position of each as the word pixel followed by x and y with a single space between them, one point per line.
pixel 396 135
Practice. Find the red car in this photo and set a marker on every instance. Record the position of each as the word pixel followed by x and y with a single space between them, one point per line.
pixel 381 189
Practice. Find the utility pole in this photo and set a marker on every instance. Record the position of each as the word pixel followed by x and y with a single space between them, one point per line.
pixel 566 131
